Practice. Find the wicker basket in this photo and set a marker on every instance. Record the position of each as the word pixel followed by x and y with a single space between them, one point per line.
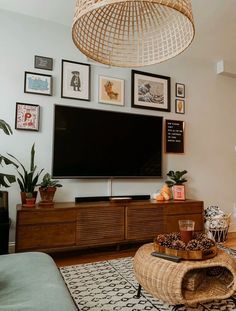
pixel 168 280
pixel 218 227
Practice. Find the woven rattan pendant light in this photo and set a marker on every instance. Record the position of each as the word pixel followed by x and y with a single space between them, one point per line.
pixel 132 33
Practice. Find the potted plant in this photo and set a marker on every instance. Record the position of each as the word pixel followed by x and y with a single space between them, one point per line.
pixel 27 179
pixel 47 189
pixel 6 179
pixel 30 199
pixel 176 182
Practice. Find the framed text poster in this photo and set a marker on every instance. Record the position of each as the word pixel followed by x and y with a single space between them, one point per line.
pixel 174 136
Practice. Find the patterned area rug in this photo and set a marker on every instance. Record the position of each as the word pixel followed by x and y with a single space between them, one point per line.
pixel 111 286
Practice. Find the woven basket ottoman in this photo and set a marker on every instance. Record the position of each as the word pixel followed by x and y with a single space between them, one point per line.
pixel 165 279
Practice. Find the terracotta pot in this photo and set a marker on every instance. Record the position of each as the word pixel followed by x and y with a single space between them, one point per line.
pixel 23 196
pixel 30 202
pixel 47 194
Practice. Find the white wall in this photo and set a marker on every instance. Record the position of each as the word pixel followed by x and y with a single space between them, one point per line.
pixel 209 156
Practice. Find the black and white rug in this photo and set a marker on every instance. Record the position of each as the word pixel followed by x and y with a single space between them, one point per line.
pixel 111 286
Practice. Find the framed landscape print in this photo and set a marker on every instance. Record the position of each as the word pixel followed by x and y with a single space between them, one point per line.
pixel 37 83
pixel 111 91
pixel 150 91
pixel 180 106
pixel 42 62
pixel 180 90
pixel 75 80
pixel 27 117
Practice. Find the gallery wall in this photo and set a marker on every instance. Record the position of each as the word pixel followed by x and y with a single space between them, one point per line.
pixel 210 126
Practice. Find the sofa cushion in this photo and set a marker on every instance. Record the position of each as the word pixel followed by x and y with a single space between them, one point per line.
pixel 31 282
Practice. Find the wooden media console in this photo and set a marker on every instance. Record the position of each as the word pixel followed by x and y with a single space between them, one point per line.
pixel 70 225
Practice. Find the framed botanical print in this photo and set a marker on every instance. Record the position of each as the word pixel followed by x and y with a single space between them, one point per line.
pixel 27 117
pixel 150 91
pixel 75 80
pixel 111 91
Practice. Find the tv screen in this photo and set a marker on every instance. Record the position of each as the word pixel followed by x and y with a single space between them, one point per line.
pixel 92 143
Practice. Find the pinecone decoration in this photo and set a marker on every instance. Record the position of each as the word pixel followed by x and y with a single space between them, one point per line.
pixel 174 236
pixel 199 236
pixel 160 238
pixel 167 243
pixel 178 245
pixel 193 245
pixel 207 243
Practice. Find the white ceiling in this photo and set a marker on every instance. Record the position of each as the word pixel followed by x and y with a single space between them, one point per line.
pixel 215 22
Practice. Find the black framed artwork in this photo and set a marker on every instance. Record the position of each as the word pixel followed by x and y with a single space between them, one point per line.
pixel 150 91
pixel 27 117
pixel 75 80
pixel 180 106
pixel 42 62
pixel 180 90
pixel 38 83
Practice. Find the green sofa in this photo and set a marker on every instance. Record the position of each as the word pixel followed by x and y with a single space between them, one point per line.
pixel 31 282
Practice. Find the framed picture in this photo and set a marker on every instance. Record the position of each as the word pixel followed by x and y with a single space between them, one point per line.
pixel 42 62
pixel 179 90
pixel 111 91
pixel 150 91
pixel 75 80
pixel 180 106
pixel 27 117
pixel 36 83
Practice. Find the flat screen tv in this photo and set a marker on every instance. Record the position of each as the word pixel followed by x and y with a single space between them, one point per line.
pixel 91 143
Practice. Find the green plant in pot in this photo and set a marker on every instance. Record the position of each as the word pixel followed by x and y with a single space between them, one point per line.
pixel 177 183
pixel 47 189
pixel 6 179
pixel 27 179
pixel 30 199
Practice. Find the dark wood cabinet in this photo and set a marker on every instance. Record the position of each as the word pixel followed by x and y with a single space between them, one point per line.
pixel 69 226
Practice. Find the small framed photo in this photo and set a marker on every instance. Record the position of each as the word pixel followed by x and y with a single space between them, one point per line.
pixel 150 91
pixel 179 90
pixel 180 106
pixel 111 91
pixel 27 117
pixel 179 192
pixel 36 83
pixel 75 80
pixel 42 62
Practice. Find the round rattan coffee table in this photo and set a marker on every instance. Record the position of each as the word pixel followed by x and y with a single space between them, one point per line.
pixel 166 280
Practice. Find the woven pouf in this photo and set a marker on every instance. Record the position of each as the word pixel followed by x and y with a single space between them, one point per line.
pixel 166 280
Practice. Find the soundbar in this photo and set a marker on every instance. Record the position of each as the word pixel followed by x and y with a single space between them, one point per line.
pixel 113 198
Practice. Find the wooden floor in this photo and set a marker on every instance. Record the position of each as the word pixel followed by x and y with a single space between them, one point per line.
pixel 92 255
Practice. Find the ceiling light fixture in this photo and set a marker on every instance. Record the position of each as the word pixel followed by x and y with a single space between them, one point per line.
pixel 132 33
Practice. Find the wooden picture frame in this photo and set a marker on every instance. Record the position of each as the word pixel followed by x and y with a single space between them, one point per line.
pixel 111 91
pixel 27 117
pixel 180 90
pixel 75 80
pixel 37 83
pixel 180 106
pixel 150 91
pixel 42 62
